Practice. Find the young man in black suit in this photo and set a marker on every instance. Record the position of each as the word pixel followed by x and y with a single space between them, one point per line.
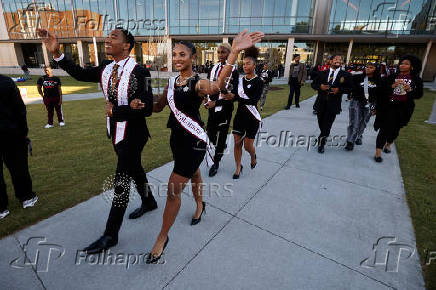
pixel 122 81
pixel 331 85
pixel 13 146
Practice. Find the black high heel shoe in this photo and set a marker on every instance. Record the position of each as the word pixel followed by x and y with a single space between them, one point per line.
pixel 196 221
pixel 253 165
pixel 151 259
pixel 236 176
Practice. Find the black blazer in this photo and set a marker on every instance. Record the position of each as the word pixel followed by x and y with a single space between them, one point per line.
pixel 343 81
pixel 358 92
pixel 13 122
pixel 139 88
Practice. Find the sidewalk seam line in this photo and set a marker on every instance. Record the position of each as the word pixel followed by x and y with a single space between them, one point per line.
pixel 228 222
pixel 27 258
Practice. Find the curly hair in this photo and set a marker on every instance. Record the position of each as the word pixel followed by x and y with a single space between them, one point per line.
pixel 415 63
pixel 251 52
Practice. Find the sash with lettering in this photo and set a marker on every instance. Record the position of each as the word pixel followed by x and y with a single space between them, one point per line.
pixel 123 99
pixel 189 124
pixel 242 95
pixel 213 78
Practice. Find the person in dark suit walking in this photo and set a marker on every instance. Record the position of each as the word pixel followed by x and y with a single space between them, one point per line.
pixel 297 77
pixel 220 109
pixel 13 146
pixel 331 85
pixel 122 80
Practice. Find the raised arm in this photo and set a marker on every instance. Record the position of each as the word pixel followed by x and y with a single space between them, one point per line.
pixel 242 41
pixel 91 74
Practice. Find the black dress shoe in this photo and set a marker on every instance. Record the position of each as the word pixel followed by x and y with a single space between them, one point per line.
pixel 287 108
pixel 297 106
pixel 236 176
pixel 349 146
pixel 315 112
pixel 386 150
pixel 358 142
pixel 213 170
pixel 152 259
pixel 196 221
pixel 378 159
pixel 321 149
pixel 140 211
pixel 103 243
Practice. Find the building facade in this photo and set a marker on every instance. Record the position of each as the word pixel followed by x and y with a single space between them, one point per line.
pixel 361 30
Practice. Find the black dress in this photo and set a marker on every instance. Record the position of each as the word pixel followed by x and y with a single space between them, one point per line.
pixel 188 151
pixel 244 123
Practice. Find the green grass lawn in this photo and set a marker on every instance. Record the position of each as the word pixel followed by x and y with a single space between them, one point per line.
pixel 70 164
pixel 416 147
pixel 70 86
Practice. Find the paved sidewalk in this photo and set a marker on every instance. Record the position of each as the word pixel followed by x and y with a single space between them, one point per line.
pixel 69 97
pixel 299 220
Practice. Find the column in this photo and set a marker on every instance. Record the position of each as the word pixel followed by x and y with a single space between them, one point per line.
pixel 94 42
pixel 350 47
pixel 45 54
pixel 289 53
pixel 425 58
pixel 81 54
pixel 315 54
pixel 170 54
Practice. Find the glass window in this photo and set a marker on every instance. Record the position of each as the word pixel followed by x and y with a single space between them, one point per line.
pixel 269 16
pixel 382 17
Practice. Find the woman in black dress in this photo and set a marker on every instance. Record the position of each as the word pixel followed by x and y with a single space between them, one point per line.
pixel 184 95
pixel 396 105
pixel 247 119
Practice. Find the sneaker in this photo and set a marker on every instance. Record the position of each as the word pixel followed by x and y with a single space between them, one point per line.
pixel 4 214
pixel 62 124
pixel 30 202
pixel 48 126
pixel 261 109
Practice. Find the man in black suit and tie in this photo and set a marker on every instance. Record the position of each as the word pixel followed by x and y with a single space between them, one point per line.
pixel 122 81
pixel 331 85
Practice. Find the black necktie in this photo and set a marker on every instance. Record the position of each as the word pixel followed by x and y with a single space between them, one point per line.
pixel 330 81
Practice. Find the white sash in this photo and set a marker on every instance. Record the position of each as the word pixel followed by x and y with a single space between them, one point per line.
pixel 242 94
pixel 365 88
pixel 123 98
pixel 212 79
pixel 190 125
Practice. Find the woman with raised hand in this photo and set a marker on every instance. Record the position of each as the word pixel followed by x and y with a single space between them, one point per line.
pixel 189 142
pixel 247 119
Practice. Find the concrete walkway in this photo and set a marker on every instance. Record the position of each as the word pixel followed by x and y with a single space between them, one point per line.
pixel 299 220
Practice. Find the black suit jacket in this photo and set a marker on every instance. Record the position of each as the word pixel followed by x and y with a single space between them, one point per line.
pixel 343 81
pixel 13 122
pixel 139 88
